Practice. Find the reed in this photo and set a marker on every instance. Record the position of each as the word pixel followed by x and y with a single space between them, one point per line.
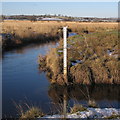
pixel 27 111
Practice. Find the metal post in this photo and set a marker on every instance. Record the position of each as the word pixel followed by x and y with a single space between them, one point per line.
pixel 65 54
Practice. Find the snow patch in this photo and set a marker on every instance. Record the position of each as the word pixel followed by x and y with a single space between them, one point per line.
pixel 89 113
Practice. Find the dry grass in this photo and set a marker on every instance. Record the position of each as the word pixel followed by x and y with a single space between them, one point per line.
pixel 23 32
pixel 77 107
pixel 32 113
pixel 27 111
pixel 23 28
pixel 97 65
pixel 54 62
pixel 92 103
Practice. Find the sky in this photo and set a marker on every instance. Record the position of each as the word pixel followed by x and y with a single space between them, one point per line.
pixel 76 9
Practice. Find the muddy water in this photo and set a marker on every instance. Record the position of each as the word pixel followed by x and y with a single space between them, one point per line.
pixel 23 82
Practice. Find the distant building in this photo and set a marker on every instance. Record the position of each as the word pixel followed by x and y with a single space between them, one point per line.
pixel 50 19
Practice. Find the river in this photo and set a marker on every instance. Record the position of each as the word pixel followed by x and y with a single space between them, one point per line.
pixel 22 82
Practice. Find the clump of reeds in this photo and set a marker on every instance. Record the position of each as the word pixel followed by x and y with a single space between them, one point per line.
pixel 92 103
pixel 78 107
pixel 26 111
pixel 31 113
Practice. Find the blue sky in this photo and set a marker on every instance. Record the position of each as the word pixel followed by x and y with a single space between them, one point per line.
pixel 79 9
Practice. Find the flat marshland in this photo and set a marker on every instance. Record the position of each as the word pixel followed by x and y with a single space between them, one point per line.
pixel 16 33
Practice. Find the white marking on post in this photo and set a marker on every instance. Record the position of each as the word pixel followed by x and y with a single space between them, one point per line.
pixel 65 52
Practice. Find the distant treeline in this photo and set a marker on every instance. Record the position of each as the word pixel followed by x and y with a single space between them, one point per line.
pixel 36 17
pixel 62 17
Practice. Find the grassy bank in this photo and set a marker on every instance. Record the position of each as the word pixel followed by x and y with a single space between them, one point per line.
pixel 76 111
pixel 92 58
pixel 17 33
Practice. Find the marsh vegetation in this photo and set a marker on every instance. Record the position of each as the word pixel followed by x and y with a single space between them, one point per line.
pixel 16 33
pixel 93 57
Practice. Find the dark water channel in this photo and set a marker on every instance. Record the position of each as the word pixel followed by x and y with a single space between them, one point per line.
pixel 23 82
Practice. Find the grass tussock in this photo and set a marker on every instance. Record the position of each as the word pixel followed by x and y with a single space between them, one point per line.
pixel 80 71
pixel 92 103
pixel 26 111
pixel 77 108
pixel 32 113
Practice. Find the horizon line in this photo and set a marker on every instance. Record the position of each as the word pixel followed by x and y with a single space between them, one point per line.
pixel 56 15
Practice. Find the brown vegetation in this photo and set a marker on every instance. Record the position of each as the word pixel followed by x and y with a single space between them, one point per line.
pixel 17 32
pixel 97 66
pixel 32 113
pixel 27 111
pixel 78 107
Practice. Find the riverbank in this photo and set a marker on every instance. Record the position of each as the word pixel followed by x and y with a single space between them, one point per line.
pixel 78 111
pixel 10 42
pixel 92 59
pixel 89 113
pixel 21 33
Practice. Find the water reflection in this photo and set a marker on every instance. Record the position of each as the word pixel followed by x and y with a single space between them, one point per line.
pixel 25 49
pixel 103 95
